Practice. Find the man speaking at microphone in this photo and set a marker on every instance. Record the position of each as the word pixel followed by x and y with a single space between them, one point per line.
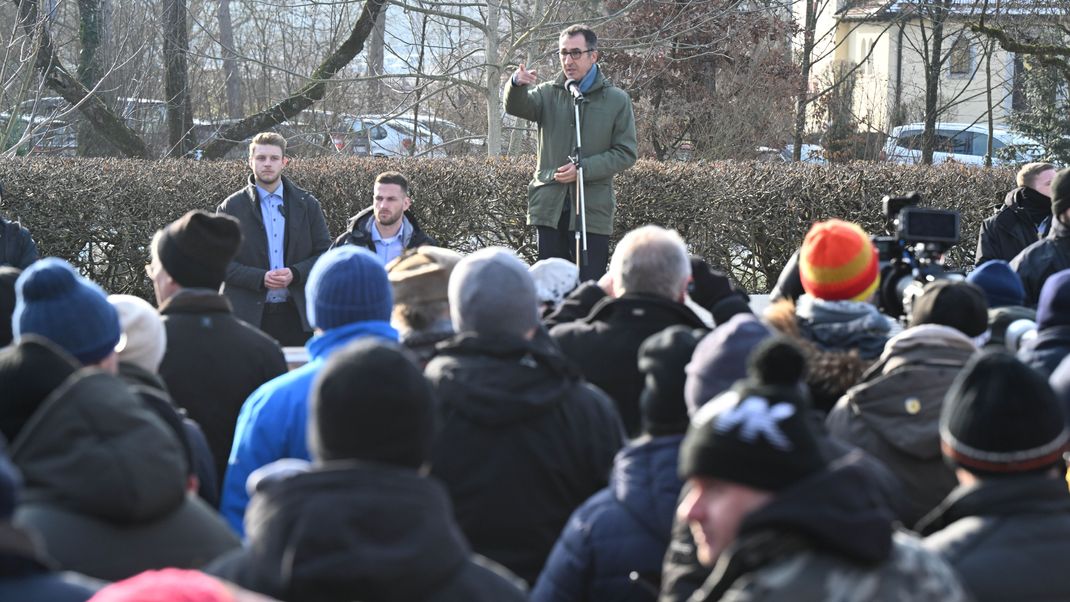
pixel 607 128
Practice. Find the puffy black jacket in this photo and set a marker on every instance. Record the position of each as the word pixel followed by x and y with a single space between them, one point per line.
pixel 1023 219
pixel 359 232
pixel 1042 259
pixel 356 531
pixel 105 484
pixel 1008 538
pixel 622 528
pixel 521 442
pixel 605 345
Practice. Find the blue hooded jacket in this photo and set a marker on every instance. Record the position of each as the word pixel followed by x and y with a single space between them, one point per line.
pixel 273 421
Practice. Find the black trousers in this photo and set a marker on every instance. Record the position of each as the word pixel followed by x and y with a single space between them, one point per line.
pixel 283 322
pixel 561 242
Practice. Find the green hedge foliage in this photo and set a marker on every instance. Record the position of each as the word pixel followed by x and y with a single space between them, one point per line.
pixel 746 217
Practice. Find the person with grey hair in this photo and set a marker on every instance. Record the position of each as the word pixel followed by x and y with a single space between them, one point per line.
pixel 520 434
pixel 647 281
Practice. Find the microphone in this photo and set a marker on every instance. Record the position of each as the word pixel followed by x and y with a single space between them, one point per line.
pixel 573 86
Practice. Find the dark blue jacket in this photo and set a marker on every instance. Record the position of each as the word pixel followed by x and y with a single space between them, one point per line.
pixel 1052 342
pixel 622 528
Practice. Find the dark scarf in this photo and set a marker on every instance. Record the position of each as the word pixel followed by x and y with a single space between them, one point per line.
pixel 1036 205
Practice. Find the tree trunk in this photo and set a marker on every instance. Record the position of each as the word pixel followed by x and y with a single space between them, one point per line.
pixel 176 79
pixel 230 60
pixel 376 56
pixel 90 70
pixel 933 68
pixel 493 88
pixel 809 27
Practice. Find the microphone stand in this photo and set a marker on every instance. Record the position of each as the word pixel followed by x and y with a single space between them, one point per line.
pixel 577 160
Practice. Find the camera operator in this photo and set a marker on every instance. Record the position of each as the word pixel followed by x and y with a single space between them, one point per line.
pixel 1023 218
pixel 1051 254
pixel 840 328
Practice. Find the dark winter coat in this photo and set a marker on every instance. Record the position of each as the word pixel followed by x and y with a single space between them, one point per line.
pixel 521 442
pixel 359 233
pixel 605 345
pixel 1007 537
pixel 1042 259
pixel 212 363
pixel 1044 352
pixel 828 538
pixel 306 239
pixel 894 413
pixel 609 146
pixel 622 528
pixel 352 531
pixel 105 484
pixel 199 457
pixel 17 248
pixel 682 574
pixel 28 575
pixel 1023 219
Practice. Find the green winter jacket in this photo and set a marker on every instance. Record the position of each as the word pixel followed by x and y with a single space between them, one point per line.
pixel 609 146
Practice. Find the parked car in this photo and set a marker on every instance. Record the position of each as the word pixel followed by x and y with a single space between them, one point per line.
pixel 53 123
pixel 960 142
pixel 397 137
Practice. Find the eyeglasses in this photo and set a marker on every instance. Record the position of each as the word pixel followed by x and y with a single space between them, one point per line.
pixel 574 53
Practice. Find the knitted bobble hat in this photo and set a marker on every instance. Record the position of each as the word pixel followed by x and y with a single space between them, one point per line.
pixel 838 261
pixel 54 301
pixel 757 434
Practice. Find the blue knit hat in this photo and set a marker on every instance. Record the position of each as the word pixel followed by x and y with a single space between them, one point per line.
pixel 1053 307
pixel 1000 282
pixel 348 285
pixel 53 301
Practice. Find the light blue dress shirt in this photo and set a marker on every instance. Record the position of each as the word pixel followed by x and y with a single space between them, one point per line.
pixel 388 248
pixel 275 227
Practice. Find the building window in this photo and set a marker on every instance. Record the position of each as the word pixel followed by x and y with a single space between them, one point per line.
pixel 866 51
pixel 960 61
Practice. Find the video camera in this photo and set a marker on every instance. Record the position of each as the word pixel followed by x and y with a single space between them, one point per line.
pixel 913 257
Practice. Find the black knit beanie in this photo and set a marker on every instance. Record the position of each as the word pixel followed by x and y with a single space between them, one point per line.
pixel 662 358
pixel 29 372
pixel 1000 416
pixel 196 248
pixel 758 433
pixel 372 403
pixel 1060 193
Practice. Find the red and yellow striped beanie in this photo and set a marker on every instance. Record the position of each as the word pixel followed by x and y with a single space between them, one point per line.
pixel 838 262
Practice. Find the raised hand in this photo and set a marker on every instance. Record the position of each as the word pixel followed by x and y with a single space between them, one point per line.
pixel 523 77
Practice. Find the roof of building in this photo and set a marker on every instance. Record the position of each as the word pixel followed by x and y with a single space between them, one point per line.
pixel 861 10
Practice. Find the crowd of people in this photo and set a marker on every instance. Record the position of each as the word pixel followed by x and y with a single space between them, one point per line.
pixel 472 428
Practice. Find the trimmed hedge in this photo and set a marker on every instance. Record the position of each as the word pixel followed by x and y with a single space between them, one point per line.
pixel 101 214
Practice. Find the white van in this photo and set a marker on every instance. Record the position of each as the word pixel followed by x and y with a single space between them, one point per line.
pixel 960 142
